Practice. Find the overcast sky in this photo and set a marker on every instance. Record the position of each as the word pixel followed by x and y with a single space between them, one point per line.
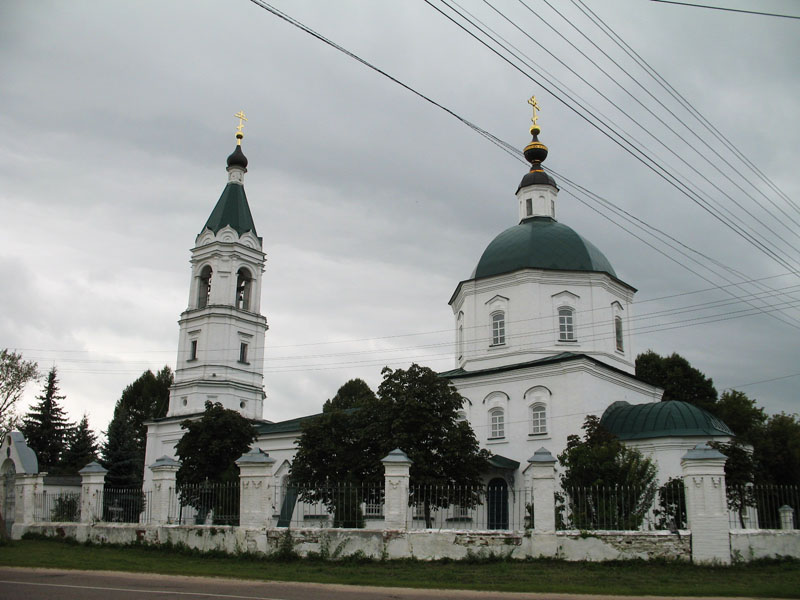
pixel 116 119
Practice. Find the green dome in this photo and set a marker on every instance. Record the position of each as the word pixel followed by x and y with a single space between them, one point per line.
pixel 540 243
pixel 661 419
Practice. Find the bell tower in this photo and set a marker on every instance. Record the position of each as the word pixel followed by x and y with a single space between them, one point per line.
pixel 221 341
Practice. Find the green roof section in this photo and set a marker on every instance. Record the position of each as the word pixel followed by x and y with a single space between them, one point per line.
pixel 540 243
pixel 289 426
pixel 232 209
pixel 661 419
pixel 501 462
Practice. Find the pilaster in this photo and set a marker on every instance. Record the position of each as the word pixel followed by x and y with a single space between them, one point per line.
pixel 93 480
pixel 255 489
pixel 706 504
pixel 396 468
pixel 540 478
pixel 164 471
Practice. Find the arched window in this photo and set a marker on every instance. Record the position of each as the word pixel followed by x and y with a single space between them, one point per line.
pixel 538 418
pixel 498 328
pixel 461 416
pixel 618 333
pixel 204 287
pixel 566 325
pixel 460 335
pixel 244 283
pixel 497 423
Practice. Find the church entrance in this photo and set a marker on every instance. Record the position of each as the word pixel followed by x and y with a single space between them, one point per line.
pixel 497 504
pixel 8 497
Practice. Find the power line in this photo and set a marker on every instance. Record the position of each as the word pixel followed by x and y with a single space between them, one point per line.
pixel 727 9
pixel 624 143
pixel 677 96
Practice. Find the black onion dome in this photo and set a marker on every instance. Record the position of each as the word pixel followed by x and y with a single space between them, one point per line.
pixel 535 153
pixel 237 158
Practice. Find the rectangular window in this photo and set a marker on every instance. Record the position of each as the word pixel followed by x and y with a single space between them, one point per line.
pixel 566 325
pixel 498 429
pixel 528 207
pixel 538 420
pixel 193 350
pixel 242 352
pixel 618 333
pixel 498 329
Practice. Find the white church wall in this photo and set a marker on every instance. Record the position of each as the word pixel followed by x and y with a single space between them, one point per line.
pixel 570 390
pixel 668 451
pixel 531 299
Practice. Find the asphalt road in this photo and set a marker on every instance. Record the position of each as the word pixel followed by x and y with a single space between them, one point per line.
pixel 54 584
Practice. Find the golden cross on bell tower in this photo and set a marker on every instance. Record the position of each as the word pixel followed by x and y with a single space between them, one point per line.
pixel 239 134
pixel 535 118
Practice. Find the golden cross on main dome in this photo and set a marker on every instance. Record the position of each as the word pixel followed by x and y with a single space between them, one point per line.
pixel 239 134
pixel 535 118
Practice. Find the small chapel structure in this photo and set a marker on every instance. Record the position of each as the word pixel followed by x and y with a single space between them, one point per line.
pixel 543 338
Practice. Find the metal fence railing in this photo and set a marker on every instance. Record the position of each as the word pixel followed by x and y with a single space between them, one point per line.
pixel 57 506
pixel 123 505
pixel 492 507
pixel 329 505
pixel 759 506
pixel 622 508
pixel 204 504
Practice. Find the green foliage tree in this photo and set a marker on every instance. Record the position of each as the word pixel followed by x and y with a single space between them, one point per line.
pixel 208 451
pixel 46 427
pixel 741 414
pixel 15 374
pixel 81 447
pixel 609 484
pixel 414 410
pixel 354 393
pixel 145 399
pixel 778 452
pixel 678 378
pixel 121 454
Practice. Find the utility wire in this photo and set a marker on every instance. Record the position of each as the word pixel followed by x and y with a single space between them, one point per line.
pixel 736 10
pixel 666 174
pixel 677 96
pixel 615 81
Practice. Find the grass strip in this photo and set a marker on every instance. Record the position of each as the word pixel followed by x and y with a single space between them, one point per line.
pixel 776 578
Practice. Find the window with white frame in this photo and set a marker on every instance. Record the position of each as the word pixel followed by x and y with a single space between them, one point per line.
pixel 460 335
pixel 498 328
pixel 461 416
pixel 497 423
pixel 618 334
pixel 538 418
pixel 566 325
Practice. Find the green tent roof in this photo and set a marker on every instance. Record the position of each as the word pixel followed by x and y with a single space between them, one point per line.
pixel 540 243
pixel 232 209
pixel 661 419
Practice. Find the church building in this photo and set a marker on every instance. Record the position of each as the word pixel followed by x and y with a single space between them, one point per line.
pixel 543 338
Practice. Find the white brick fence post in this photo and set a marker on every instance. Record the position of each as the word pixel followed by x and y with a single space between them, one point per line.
pixel 93 479
pixel 706 504
pixel 255 489
pixel 164 471
pixel 396 468
pixel 787 516
pixel 26 487
pixel 540 478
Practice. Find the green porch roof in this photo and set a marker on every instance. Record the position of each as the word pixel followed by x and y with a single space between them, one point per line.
pixel 661 419
pixel 232 209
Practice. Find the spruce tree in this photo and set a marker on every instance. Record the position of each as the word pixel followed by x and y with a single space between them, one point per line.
pixel 121 454
pixel 82 448
pixel 46 426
